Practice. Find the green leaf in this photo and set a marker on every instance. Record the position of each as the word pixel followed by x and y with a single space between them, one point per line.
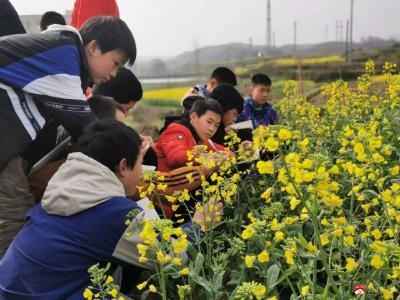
pixel 217 280
pixel 272 275
pixel 198 264
pixel 144 295
pixel 201 281
pixel 302 241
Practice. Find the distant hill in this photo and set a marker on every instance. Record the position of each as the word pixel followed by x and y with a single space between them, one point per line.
pixel 200 60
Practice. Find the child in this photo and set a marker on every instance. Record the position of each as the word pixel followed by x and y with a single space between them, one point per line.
pixel 104 108
pixel 50 18
pixel 181 136
pixel 125 88
pixel 107 108
pixel 232 104
pixel 81 219
pixel 256 108
pixel 9 19
pixel 220 75
pixel 42 79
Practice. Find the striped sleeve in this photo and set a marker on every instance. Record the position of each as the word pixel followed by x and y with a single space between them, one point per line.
pixel 48 66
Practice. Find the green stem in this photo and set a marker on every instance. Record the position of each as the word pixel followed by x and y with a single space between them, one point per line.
pixel 315 222
pixel 162 283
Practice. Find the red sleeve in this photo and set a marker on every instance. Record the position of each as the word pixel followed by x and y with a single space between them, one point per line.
pixel 175 142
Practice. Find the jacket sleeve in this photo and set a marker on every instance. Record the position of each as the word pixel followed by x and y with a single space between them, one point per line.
pixel 48 67
pixel 126 249
pixel 175 142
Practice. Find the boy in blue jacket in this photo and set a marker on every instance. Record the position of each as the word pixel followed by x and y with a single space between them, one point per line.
pixel 81 219
pixel 42 80
pixel 257 108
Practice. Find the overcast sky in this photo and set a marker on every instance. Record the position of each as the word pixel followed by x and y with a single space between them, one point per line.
pixel 169 27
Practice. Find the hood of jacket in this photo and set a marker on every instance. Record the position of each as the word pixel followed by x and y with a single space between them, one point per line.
pixel 79 184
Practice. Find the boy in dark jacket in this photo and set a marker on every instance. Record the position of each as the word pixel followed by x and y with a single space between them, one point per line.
pixel 42 79
pixel 256 107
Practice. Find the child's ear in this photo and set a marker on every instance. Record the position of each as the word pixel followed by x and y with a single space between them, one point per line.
pixel 91 47
pixel 122 166
pixel 212 84
pixel 193 116
pixel 251 89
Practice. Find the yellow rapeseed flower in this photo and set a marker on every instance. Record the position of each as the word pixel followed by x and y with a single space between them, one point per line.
pixel 377 262
pixel 351 264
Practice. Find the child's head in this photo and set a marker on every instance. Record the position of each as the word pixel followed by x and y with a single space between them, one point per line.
pixel 205 117
pixel 107 108
pixel 116 146
pixel 50 18
pixel 221 75
pixel 231 102
pixel 260 89
pixel 108 45
pixel 125 88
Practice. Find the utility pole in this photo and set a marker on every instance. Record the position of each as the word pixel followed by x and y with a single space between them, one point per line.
pixel 273 40
pixel 295 39
pixel 347 42
pixel 337 30
pixel 251 44
pixel 351 29
pixel 341 30
pixel 268 33
pixel 326 32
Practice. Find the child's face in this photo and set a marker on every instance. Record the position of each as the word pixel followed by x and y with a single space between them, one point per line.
pixel 260 94
pixel 206 125
pixel 230 117
pixel 128 106
pixel 130 177
pixel 120 116
pixel 212 84
pixel 103 66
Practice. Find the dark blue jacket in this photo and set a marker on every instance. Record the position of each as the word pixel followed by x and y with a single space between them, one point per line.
pixel 42 78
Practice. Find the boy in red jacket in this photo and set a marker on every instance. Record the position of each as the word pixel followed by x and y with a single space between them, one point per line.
pixel 181 136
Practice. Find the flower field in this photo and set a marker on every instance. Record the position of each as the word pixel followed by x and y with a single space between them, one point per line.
pixel 315 217
pixel 165 96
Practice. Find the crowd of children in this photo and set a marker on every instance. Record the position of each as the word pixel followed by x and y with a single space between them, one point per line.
pixel 69 86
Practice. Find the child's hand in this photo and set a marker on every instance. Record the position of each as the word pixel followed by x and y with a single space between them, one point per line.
pixel 230 128
pixel 208 214
pixel 247 145
pixel 147 141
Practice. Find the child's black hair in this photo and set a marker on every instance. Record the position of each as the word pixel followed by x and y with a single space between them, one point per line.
pixel 228 97
pixel 110 33
pixel 110 141
pixel 124 87
pixel 49 18
pixel 224 75
pixel 104 107
pixel 201 106
pixel 261 79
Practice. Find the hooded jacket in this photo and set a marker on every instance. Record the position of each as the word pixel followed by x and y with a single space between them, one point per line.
pixel 42 78
pixel 80 222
